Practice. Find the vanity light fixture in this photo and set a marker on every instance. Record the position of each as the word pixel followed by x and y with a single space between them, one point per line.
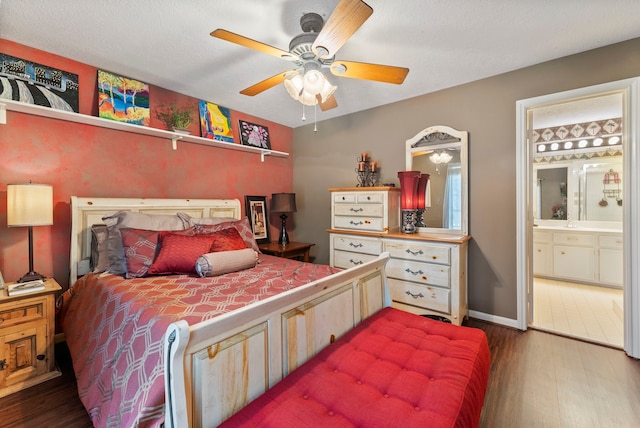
pixel 598 142
pixel 542 148
pixel 568 145
pixel 582 144
pixel 555 146
pixel 613 140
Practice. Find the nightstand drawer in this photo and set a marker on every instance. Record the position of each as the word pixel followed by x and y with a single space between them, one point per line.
pixel 424 273
pixel 23 311
pixel 345 259
pixel 357 244
pixel 433 298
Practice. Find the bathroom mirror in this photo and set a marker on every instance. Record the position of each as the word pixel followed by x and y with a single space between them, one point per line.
pixel 441 152
pixel 581 189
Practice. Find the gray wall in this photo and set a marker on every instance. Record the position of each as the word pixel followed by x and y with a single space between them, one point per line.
pixel 487 109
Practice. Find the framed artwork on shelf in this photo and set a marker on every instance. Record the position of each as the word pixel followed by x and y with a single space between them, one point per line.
pixel 215 122
pixel 256 207
pixel 123 99
pixel 45 86
pixel 254 135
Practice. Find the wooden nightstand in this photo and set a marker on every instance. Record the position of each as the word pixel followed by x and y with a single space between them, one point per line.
pixel 27 326
pixel 290 251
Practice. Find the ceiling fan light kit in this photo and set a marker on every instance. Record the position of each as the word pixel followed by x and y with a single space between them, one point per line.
pixel 314 50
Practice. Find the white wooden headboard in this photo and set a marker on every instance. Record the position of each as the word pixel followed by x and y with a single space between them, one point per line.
pixel 86 212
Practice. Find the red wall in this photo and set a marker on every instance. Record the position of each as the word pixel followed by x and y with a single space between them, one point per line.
pixel 83 160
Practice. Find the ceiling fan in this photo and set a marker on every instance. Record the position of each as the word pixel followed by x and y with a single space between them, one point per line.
pixel 313 51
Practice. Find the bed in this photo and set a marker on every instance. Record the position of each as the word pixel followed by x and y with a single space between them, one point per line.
pixel 118 330
pixel 184 351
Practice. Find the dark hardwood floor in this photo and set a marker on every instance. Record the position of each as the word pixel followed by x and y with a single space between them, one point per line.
pixel 537 380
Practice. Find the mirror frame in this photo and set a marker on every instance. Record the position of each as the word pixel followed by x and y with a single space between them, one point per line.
pixel 435 138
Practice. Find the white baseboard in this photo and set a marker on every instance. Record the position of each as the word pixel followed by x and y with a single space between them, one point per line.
pixel 508 322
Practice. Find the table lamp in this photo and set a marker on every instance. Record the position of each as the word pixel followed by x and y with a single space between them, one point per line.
pixel 29 205
pixel 409 199
pixel 283 203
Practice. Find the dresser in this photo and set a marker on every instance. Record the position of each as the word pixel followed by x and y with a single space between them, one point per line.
pixel 426 272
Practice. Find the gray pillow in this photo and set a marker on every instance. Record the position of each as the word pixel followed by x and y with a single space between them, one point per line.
pixel 134 220
pixel 99 257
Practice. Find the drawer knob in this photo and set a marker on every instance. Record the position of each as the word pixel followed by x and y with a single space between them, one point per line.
pixel 414 253
pixel 41 357
pixel 355 223
pixel 358 245
pixel 356 210
pixel 414 272
pixel 415 296
pixel 3 364
pixel 355 262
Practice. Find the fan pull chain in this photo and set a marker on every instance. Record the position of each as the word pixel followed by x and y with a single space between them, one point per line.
pixel 315 117
pixel 303 117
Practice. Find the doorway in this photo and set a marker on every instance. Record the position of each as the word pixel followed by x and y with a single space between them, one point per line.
pixel 577 257
pixel 525 152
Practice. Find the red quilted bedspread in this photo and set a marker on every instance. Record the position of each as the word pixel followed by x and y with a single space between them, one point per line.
pixel 114 329
pixel 395 369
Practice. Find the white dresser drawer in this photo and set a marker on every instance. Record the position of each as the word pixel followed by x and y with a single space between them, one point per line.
pixel 344 198
pixel 581 239
pixel 362 210
pixel 359 223
pixel 424 273
pixel 370 198
pixel 345 259
pixel 357 244
pixel 412 250
pixel 434 298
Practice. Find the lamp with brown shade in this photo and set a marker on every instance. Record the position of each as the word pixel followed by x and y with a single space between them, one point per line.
pixel 283 203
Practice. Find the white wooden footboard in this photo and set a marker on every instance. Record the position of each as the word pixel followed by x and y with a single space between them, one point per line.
pixel 216 367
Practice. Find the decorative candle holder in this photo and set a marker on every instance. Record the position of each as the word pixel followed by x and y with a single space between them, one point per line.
pixel 367 172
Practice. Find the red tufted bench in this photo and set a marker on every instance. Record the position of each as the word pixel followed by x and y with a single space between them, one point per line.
pixel 395 369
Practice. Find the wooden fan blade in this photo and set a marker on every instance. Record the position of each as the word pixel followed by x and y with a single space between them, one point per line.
pixel 366 71
pixel 347 17
pixel 327 105
pixel 265 84
pixel 253 44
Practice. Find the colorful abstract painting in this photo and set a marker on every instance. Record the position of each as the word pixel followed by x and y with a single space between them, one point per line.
pixel 32 83
pixel 254 135
pixel 215 122
pixel 123 99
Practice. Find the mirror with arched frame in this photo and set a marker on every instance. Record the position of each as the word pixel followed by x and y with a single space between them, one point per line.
pixel 441 152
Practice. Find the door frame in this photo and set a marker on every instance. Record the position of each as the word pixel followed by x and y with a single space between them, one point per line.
pixel 630 89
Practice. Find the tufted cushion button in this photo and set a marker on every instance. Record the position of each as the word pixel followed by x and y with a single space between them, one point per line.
pixel 417 409
pixel 335 370
pixel 386 395
pixel 330 412
pixel 305 396
pixel 359 382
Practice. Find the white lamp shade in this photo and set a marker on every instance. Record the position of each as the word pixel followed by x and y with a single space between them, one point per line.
pixel 313 82
pixel 293 85
pixel 29 204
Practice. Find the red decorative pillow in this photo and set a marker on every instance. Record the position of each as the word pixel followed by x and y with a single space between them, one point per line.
pixel 178 253
pixel 140 248
pixel 227 240
pixel 243 227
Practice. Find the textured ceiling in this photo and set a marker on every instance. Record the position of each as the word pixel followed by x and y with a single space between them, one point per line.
pixel 443 42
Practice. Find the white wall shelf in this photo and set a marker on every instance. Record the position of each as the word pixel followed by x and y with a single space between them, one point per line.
pixel 174 137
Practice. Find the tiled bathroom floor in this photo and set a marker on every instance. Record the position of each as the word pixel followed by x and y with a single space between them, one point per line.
pixel 583 311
